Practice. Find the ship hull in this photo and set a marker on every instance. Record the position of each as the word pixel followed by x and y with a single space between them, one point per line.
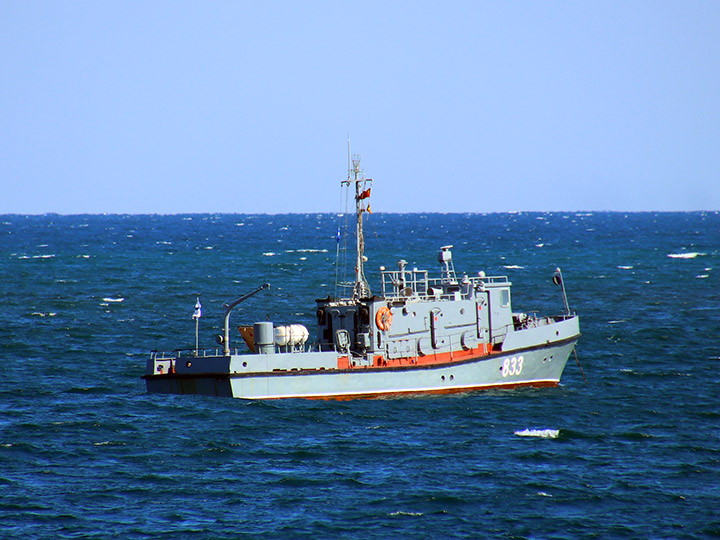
pixel 539 366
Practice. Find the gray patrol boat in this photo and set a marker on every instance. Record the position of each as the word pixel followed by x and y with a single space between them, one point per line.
pixel 420 335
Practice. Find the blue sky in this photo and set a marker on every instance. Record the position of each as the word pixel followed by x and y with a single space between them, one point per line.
pixel 459 106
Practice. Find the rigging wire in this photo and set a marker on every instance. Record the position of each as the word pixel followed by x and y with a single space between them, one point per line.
pixel 341 280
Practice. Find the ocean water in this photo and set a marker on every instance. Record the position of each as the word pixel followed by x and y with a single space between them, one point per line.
pixel 634 452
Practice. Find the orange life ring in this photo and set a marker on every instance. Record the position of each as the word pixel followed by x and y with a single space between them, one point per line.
pixel 383 318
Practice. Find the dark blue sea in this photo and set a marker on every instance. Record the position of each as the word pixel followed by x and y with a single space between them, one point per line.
pixel 634 452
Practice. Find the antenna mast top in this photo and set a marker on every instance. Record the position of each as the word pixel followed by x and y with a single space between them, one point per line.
pixel 362 195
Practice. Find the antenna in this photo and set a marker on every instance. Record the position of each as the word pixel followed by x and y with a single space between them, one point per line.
pixel 361 288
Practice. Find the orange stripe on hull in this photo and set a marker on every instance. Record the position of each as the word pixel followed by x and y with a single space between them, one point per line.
pixel 427 360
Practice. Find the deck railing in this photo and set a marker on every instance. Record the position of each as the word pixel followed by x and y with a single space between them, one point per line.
pixel 409 283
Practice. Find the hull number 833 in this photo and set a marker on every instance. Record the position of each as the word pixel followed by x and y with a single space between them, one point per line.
pixel 512 366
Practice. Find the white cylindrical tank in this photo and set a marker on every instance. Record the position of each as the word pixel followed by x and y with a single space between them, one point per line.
pixel 291 335
pixel 281 336
pixel 298 334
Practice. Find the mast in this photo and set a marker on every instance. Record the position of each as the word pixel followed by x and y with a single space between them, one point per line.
pixel 361 289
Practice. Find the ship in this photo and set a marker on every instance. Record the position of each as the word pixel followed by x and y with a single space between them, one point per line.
pixel 417 335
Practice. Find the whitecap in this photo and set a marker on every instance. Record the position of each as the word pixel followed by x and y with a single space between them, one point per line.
pixel 412 514
pixel 36 257
pixel 702 276
pixel 625 267
pixel 539 245
pixel 108 443
pixel 113 299
pixel 689 255
pixel 269 254
pixel 513 267
pixel 543 494
pixel 41 314
pixel 543 433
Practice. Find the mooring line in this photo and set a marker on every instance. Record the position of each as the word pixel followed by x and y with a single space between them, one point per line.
pixel 577 361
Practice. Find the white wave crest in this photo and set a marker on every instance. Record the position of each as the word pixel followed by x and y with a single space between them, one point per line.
pixel 25 257
pixel 689 255
pixel 543 433
pixel 113 299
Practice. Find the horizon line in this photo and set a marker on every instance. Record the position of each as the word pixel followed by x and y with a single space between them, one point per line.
pixel 71 214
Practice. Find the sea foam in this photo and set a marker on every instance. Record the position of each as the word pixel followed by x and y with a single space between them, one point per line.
pixel 689 255
pixel 543 433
